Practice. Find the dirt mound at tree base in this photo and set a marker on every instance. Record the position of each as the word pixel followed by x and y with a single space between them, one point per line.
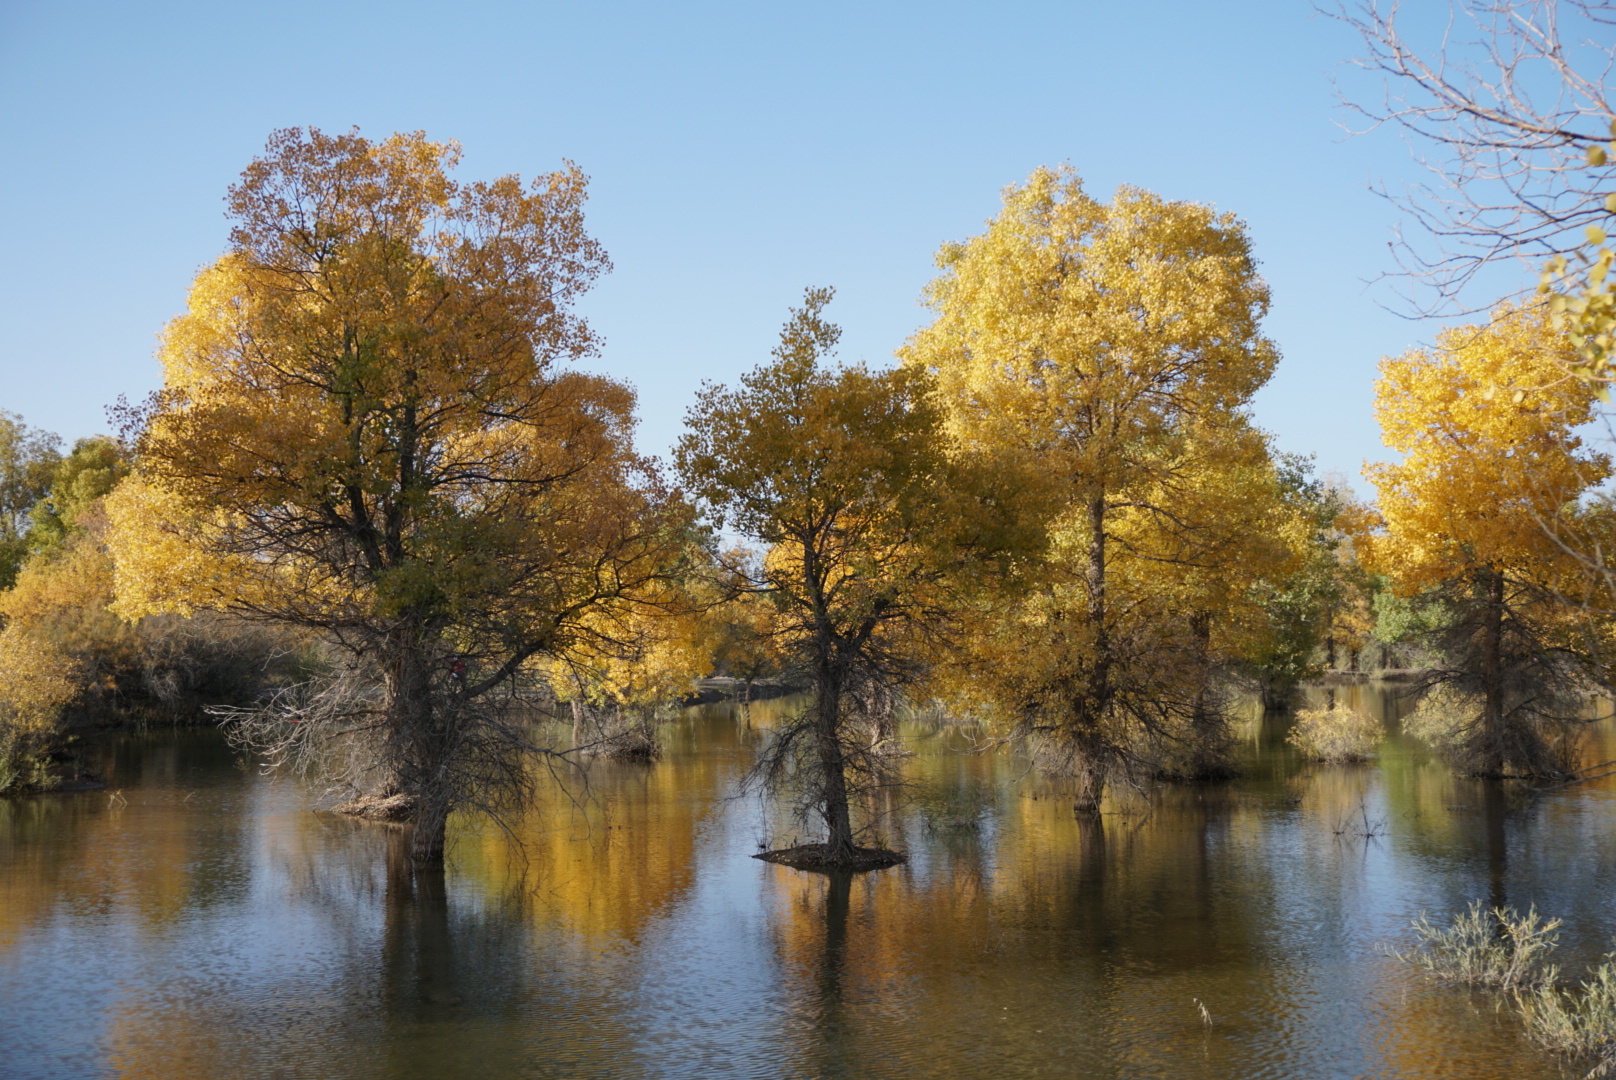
pixel 819 857
pixel 377 807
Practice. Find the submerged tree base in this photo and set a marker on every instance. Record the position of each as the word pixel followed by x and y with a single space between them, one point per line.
pixel 394 808
pixel 820 857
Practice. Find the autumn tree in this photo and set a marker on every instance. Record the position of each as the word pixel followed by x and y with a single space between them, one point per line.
pixel 635 666
pixel 365 431
pixel 842 475
pixel 1293 605
pixel 1486 421
pixel 1090 347
pixel 37 682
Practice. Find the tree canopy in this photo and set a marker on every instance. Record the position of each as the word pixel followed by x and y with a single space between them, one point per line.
pixel 1101 353
pixel 364 430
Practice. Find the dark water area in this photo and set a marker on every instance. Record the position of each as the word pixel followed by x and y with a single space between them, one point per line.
pixel 198 920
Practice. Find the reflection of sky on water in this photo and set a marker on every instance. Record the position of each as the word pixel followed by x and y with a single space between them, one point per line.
pixel 214 926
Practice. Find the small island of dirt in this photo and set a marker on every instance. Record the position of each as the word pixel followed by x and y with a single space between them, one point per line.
pixel 390 808
pixel 819 857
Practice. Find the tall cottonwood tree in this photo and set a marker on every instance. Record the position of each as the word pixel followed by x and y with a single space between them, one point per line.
pixel 364 430
pixel 1486 421
pixel 1092 343
pixel 868 527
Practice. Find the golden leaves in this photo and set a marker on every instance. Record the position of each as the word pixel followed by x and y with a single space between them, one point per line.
pixel 1486 422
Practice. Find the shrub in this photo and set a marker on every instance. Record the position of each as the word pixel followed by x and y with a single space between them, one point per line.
pixel 1487 947
pixel 1579 1022
pixel 1336 735
pixel 36 682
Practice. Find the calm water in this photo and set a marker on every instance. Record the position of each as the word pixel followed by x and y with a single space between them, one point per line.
pixel 204 923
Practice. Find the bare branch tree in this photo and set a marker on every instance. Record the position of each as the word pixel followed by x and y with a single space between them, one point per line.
pixel 1501 106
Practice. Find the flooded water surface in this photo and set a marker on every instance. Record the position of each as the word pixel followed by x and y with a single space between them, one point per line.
pixel 197 920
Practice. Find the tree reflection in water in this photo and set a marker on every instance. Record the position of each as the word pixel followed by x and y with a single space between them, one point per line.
pixel 214 926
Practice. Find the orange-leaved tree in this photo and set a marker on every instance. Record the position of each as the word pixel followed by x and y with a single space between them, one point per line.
pixel 870 530
pixel 365 430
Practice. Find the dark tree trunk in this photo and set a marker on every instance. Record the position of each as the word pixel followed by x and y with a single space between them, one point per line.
pixel 1089 769
pixel 832 763
pixel 419 733
pixel 1089 759
pixel 1201 635
pixel 1492 714
pixel 1207 721
pixel 1277 693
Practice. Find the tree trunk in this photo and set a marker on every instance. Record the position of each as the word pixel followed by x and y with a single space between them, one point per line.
pixel 1329 652
pixel 1090 776
pixel 1492 715
pixel 1100 687
pixel 419 738
pixel 1207 721
pixel 833 767
pixel 431 824
pixel 1276 693
pixel 1089 755
pixel 1203 719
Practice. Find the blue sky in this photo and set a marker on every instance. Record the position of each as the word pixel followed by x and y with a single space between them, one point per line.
pixel 738 152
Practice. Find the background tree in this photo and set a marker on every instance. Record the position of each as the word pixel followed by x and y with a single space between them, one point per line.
pixel 28 460
pixel 635 668
pixel 93 468
pixel 363 433
pixel 1487 426
pixel 843 475
pixel 1083 345
pixel 1285 645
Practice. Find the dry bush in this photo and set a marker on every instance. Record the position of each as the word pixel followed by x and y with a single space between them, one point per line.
pixel 1496 947
pixel 1576 1021
pixel 1336 735
pixel 617 732
pixel 36 682
pixel 1538 741
pixel 478 754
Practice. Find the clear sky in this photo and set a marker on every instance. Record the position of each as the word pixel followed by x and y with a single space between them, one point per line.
pixel 738 152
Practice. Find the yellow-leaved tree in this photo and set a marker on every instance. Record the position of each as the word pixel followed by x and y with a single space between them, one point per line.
pixel 1098 350
pixel 869 530
pixel 1486 421
pixel 365 431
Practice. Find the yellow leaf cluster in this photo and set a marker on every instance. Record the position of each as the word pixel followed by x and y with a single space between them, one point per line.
pixel 1102 354
pixel 1486 421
